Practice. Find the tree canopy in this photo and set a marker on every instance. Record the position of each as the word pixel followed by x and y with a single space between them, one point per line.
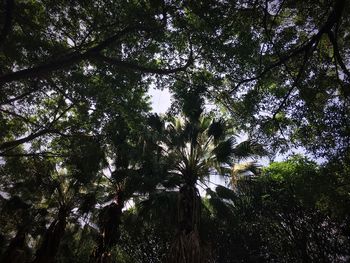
pixel 88 173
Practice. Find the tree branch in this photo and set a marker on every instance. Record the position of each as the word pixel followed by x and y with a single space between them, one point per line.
pixel 33 154
pixel 14 143
pixel 25 119
pixel 337 54
pixel 332 20
pixel 136 67
pixel 92 53
pixel 21 96
pixel 65 62
pixel 295 83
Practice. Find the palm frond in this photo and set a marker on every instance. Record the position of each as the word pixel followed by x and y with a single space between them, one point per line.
pixel 247 168
pixel 205 122
pixel 223 151
pixel 221 208
pixel 160 205
pixel 155 122
pixel 247 149
pixel 225 193
pixel 216 129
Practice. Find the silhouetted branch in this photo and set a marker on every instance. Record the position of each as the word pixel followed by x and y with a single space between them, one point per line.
pixel 337 53
pixel 33 154
pixel 136 67
pixel 295 83
pixel 92 53
pixel 14 143
pixel 26 120
pixel 21 96
pixel 332 20
pixel 65 62
pixel 48 130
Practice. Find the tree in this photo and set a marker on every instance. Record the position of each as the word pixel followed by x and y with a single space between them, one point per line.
pixel 74 78
pixel 51 188
pixel 76 155
pixel 135 169
pixel 281 215
pixel 24 187
pixel 275 65
pixel 62 51
pixel 293 82
pixel 197 145
pixel 17 249
pixel 75 189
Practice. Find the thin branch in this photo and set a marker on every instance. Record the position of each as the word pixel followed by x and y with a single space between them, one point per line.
pixel 61 91
pixel 21 96
pixel 332 20
pixel 337 54
pixel 20 117
pixel 56 118
pixel 48 130
pixel 33 154
pixel 295 83
pixel 108 178
pixel 136 67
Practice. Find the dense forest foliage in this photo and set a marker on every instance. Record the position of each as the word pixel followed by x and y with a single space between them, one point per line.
pixel 88 173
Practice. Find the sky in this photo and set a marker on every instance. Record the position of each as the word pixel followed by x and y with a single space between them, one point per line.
pixel 160 100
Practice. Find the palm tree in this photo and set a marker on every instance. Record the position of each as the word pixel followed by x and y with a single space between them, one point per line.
pixel 198 145
pixel 134 171
pixel 71 187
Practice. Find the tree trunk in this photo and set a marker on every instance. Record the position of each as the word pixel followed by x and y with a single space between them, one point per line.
pixel 15 253
pixel 186 247
pixel 52 238
pixel 110 220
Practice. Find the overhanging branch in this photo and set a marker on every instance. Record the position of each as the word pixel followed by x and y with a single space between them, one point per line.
pixel 64 62
pixel 91 54
pixel 134 66
pixel 337 54
pixel 333 19
pixel 11 144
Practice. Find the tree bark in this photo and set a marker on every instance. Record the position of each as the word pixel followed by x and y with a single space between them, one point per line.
pixel 15 253
pixel 110 220
pixel 53 236
pixel 187 245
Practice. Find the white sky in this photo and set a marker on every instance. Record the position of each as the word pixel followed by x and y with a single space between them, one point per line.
pixel 160 100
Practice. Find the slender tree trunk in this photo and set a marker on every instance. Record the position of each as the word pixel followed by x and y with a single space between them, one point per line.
pixel 110 232
pixel 15 253
pixel 186 247
pixel 188 208
pixel 52 238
